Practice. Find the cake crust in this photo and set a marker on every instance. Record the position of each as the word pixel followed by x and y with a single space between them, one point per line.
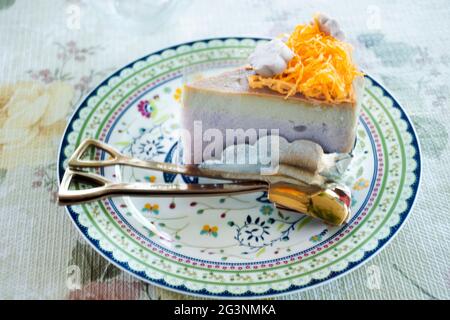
pixel 236 82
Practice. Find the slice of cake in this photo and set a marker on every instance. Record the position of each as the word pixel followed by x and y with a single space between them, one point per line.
pixel 308 88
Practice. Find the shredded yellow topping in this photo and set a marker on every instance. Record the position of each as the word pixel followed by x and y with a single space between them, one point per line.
pixel 321 69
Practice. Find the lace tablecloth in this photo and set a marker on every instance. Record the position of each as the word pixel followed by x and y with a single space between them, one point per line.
pixel 53 52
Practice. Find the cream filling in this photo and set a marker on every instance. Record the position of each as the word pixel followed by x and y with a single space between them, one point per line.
pixel 270 58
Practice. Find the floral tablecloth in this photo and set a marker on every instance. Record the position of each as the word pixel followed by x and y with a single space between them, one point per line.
pixel 53 52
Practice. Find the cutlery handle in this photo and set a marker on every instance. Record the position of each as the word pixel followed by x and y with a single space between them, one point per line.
pixel 286 173
pixel 329 205
pixel 105 188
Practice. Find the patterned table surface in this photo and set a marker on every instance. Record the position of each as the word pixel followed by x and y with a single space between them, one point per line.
pixel 54 52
